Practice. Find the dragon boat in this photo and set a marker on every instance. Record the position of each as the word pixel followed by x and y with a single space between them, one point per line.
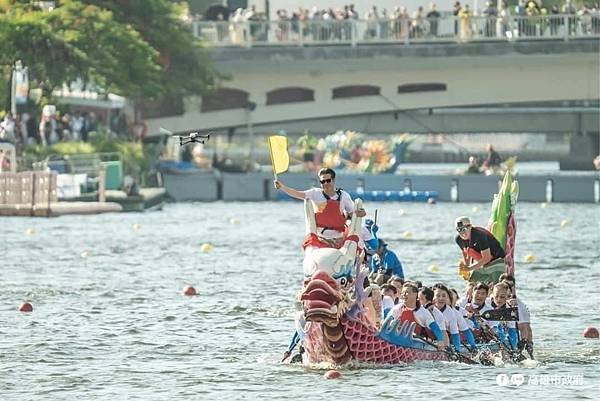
pixel 340 328
pixel 337 328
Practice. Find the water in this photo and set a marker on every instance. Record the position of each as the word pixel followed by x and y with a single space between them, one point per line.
pixel 109 320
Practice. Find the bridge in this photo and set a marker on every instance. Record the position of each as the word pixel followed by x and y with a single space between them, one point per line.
pixel 539 81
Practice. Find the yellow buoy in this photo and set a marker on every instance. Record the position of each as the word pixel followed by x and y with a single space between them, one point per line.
pixel 206 247
pixel 529 258
pixel 407 235
pixel 401 212
pixel 475 209
pixel 564 223
pixel 30 231
pixel 434 268
pixel 86 254
pixel 137 227
pixel 543 205
pixel 234 221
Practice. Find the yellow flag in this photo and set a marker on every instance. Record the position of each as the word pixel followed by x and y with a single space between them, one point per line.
pixel 279 154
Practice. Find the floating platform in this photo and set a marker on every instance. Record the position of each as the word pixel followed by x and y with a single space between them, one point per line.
pixel 59 209
pixel 148 199
pixel 384 196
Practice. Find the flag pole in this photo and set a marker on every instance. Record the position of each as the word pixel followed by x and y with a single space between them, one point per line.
pixel 272 162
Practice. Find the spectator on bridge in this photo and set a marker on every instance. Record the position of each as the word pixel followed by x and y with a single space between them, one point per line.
pixel 466 30
pixel 418 23
pixel 490 13
pixel 456 13
pixel 568 8
pixel 503 28
pixel 372 18
pixel 433 16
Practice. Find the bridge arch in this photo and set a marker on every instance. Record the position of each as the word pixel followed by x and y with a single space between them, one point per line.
pixel 225 99
pixel 422 87
pixel 290 94
pixel 347 91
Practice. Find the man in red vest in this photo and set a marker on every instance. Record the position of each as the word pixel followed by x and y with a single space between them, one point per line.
pixel 333 205
pixel 477 244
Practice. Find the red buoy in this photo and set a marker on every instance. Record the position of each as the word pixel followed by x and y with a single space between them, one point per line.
pixel 333 374
pixel 25 307
pixel 189 291
pixel 591 332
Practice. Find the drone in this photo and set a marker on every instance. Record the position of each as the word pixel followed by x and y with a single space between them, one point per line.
pixel 192 137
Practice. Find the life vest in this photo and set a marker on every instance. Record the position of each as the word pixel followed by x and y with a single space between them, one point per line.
pixel 407 314
pixel 331 218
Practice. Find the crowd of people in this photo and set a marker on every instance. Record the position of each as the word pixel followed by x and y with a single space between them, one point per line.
pixel 323 24
pixel 53 127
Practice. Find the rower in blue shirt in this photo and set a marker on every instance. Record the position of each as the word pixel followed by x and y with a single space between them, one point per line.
pixel 386 263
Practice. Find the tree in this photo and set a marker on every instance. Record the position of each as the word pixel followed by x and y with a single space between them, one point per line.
pixel 139 49
pixel 186 67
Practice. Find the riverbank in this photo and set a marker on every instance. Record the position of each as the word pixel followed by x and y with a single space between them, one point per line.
pixel 554 186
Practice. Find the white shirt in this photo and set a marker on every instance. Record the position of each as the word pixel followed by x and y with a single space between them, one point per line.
pixel 319 201
pixel 460 319
pixel 450 316
pixel 463 302
pixel 438 317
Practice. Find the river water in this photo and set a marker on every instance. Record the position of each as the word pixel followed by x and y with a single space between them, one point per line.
pixel 110 322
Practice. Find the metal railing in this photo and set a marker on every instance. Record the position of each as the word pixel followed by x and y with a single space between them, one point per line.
pixel 406 30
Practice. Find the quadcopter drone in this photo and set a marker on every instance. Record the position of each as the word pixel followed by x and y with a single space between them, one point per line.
pixel 192 137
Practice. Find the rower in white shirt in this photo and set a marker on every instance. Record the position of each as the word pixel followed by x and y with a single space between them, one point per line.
pixel 410 310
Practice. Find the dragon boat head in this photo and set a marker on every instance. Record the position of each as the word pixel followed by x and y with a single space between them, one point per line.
pixel 328 273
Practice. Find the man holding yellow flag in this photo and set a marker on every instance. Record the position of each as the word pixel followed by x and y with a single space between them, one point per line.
pixel 333 205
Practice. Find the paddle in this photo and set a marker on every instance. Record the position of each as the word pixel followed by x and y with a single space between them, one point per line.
pixel 452 354
pixel 515 354
pixel 295 341
pixel 502 314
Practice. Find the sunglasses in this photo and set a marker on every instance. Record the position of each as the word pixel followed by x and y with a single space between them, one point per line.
pixel 325 181
pixel 462 229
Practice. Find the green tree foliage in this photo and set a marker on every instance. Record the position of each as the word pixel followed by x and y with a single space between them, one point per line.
pixel 139 49
pixel 186 68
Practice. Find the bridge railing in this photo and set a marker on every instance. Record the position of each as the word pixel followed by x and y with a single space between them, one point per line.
pixel 407 30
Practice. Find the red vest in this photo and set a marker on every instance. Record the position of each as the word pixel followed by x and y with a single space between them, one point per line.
pixel 407 314
pixel 331 217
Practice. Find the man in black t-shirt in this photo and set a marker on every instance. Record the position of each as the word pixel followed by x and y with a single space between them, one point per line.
pixel 477 244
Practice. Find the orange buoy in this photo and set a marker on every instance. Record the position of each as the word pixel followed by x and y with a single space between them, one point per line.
pixel 591 332
pixel 189 291
pixel 25 307
pixel 333 374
